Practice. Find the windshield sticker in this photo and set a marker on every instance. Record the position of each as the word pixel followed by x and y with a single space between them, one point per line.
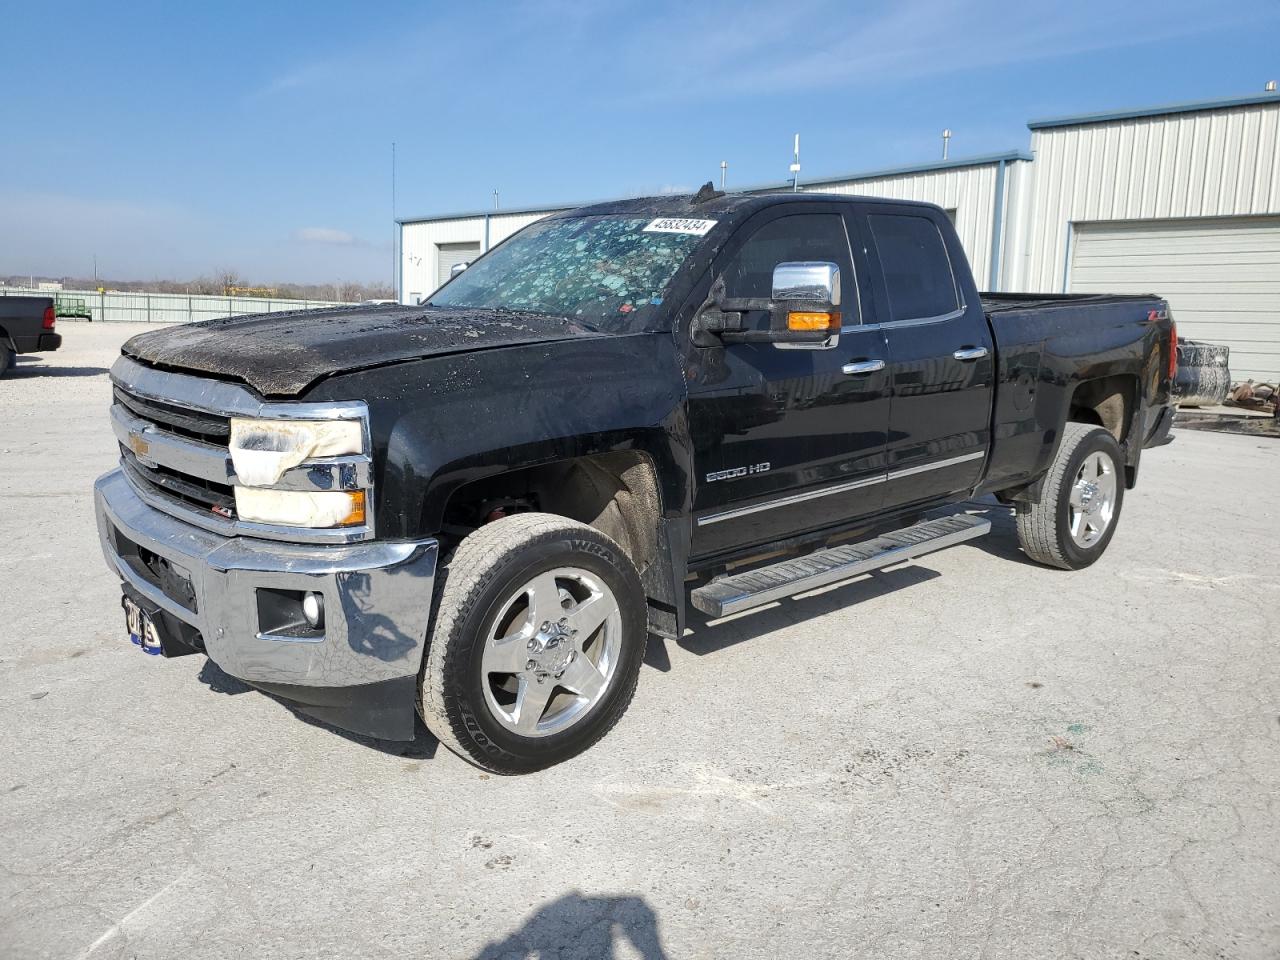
pixel 696 228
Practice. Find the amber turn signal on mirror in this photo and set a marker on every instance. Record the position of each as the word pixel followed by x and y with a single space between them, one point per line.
pixel 813 321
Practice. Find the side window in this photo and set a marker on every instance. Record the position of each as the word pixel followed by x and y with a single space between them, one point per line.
pixel 806 236
pixel 917 273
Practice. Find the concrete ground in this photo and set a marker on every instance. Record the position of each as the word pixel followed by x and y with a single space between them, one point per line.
pixel 969 756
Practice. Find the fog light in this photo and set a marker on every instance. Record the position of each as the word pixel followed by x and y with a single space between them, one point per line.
pixel 313 610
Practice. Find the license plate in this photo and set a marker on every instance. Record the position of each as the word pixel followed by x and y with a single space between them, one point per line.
pixel 142 631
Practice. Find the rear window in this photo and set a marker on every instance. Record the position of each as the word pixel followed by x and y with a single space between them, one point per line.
pixel 917 273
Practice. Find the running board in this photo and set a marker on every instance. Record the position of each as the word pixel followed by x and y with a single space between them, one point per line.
pixel 742 591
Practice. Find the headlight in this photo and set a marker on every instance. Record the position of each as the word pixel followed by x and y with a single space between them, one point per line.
pixel 262 451
pixel 295 508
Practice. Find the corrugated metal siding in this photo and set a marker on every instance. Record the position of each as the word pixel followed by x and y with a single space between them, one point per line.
pixel 1210 164
pixel 1019 186
pixel 969 191
pixel 1221 277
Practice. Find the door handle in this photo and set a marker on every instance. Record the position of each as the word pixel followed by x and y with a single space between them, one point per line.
pixel 970 353
pixel 862 366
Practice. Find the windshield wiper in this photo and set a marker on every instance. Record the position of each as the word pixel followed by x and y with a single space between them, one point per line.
pixel 541 313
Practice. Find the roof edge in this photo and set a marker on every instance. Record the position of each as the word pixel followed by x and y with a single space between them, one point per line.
pixel 1189 106
pixel 500 212
pixel 978 161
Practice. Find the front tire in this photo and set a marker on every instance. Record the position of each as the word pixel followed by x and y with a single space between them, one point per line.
pixel 535 651
pixel 1080 503
pixel 7 359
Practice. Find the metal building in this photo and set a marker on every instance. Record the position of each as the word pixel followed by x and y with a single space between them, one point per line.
pixel 1181 200
pixel 967 189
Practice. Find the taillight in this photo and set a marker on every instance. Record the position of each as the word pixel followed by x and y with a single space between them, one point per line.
pixel 1173 350
pixel 49 318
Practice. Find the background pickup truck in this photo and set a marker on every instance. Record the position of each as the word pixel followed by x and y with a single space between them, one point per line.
pixel 26 326
pixel 478 507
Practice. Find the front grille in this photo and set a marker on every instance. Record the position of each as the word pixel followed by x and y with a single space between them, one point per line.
pixel 196 424
pixel 217 498
pixel 183 490
pixel 174 432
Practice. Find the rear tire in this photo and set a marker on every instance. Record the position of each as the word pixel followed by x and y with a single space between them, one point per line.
pixel 1080 503
pixel 7 359
pixel 538 637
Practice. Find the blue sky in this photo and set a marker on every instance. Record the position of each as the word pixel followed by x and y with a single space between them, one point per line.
pixel 174 139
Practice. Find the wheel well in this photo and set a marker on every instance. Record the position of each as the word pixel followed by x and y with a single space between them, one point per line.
pixel 617 493
pixel 1106 402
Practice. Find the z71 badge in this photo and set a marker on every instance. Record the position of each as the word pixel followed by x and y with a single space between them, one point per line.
pixel 735 472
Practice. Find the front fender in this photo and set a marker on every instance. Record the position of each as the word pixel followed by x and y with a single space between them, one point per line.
pixel 442 422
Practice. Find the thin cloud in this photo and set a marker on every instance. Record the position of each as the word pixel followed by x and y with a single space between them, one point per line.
pixel 326 235
pixel 870 45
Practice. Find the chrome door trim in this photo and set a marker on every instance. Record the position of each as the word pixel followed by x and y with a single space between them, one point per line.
pixel 795 498
pixel 971 353
pixel 937 464
pixel 960 311
pixel 789 500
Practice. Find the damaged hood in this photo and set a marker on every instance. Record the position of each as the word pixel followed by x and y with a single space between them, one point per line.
pixel 282 354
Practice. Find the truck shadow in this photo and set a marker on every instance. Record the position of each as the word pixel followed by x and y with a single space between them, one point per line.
pixel 579 926
pixel 29 370
pixel 711 636
pixel 1002 541
pixel 421 747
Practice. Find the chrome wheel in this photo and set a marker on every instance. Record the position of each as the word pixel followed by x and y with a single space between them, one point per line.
pixel 551 651
pixel 1093 500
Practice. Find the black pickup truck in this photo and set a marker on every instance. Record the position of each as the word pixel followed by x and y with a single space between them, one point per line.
pixel 479 507
pixel 26 326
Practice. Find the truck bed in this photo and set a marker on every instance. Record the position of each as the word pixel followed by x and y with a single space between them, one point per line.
pixel 1041 339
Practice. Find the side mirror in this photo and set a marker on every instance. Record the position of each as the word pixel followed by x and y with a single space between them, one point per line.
pixel 804 308
pixel 457 268
pixel 816 282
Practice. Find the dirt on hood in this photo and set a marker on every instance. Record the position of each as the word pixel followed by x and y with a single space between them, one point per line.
pixel 283 354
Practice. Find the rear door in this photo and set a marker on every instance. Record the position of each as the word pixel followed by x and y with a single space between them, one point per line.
pixel 785 440
pixel 941 355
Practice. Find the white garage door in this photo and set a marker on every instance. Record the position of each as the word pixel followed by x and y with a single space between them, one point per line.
pixel 449 254
pixel 1220 276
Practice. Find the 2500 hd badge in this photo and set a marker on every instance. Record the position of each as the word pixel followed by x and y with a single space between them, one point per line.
pixel 737 472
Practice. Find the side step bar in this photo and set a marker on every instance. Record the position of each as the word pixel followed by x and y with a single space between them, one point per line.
pixel 742 591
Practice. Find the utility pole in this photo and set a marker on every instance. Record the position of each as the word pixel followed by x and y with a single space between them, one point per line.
pixel 795 167
pixel 395 228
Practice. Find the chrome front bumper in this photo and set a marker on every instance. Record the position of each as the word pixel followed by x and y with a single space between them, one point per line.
pixel 377 597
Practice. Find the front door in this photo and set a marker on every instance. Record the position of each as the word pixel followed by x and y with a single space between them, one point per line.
pixel 787 439
pixel 941 356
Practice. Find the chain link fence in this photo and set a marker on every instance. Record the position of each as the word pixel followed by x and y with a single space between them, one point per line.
pixel 114 306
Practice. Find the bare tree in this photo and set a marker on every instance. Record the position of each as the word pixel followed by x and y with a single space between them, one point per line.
pixel 226 278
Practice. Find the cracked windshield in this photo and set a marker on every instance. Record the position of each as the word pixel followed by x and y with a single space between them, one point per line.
pixel 604 272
